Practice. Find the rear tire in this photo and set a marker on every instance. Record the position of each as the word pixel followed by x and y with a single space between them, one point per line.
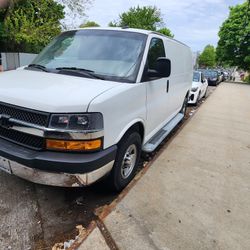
pixel 126 162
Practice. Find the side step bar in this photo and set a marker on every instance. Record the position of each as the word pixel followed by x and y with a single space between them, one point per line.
pixel 155 141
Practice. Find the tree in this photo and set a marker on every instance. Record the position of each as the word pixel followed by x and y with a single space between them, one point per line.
pixel 166 32
pixel 234 38
pixel 113 24
pixel 146 17
pixel 30 25
pixel 74 12
pixel 207 57
pixel 89 24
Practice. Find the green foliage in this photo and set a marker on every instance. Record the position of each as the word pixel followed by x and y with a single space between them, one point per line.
pixel 89 24
pixel 166 32
pixel 234 38
pixel 1 35
pixel 113 24
pixel 207 57
pixel 146 17
pixel 30 25
pixel 247 79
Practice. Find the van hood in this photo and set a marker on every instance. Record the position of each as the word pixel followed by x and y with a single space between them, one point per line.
pixel 50 92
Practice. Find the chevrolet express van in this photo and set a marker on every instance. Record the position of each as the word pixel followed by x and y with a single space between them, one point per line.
pixel 89 103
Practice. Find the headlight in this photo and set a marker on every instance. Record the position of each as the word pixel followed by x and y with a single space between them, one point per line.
pixel 66 125
pixel 194 89
pixel 91 121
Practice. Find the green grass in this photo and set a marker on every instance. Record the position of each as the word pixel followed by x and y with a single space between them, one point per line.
pixel 247 80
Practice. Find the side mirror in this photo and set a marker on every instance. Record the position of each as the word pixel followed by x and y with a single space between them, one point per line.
pixel 163 68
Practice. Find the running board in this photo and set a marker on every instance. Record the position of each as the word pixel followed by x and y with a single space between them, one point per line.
pixel 155 141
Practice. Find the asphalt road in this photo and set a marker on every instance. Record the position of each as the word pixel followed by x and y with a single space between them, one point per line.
pixel 36 217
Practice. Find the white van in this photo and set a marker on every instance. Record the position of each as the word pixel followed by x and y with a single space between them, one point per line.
pixel 89 103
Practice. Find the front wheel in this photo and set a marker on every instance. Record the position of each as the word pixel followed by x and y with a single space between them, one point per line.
pixel 126 162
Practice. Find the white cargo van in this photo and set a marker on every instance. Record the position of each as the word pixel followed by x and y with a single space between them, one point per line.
pixel 89 103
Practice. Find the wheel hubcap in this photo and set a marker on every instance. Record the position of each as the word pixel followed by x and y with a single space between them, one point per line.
pixel 129 161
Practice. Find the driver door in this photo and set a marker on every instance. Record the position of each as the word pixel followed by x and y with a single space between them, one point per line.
pixel 157 90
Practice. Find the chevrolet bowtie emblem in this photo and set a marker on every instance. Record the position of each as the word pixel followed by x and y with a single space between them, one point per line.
pixel 5 121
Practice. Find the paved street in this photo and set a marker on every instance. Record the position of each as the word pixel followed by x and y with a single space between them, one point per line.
pixel 195 195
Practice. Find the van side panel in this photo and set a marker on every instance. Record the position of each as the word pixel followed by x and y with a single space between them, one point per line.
pixel 180 80
pixel 126 104
pixel 157 97
pixel 121 107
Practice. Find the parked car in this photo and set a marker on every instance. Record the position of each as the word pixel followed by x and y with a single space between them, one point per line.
pixel 199 88
pixel 220 75
pixel 225 75
pixel 212 77
pixel 89 103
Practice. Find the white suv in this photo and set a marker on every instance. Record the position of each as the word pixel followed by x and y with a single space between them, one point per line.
pixel 89 103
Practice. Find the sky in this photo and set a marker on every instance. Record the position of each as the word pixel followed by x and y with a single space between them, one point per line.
pixel 194 22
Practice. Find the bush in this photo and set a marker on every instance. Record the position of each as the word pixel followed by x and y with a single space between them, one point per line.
pixel 247 79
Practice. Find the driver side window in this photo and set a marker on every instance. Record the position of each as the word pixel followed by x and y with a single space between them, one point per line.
pixel 156 49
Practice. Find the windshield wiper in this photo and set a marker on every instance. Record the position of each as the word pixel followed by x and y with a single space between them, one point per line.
pixel 81 71
pixel 75 68
pixel 38 66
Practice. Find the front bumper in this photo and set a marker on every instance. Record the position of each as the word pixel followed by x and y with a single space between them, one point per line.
pixel 59 179
pixel 56 168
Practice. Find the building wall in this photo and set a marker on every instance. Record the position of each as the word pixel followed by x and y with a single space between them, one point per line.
pixel 12 61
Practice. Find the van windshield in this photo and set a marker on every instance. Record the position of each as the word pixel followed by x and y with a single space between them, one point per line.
pixel 113 55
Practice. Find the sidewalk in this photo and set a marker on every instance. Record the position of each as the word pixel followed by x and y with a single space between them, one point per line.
pixel 196 194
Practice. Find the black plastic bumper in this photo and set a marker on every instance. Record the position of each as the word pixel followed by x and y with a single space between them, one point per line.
pixel 212 82
pixel 72 163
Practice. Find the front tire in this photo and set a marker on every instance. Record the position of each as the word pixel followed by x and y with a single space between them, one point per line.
pixel 126 162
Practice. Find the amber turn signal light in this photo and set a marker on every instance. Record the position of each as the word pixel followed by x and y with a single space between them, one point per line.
pixel 73 145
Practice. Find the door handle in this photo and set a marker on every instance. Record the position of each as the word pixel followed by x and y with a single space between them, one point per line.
pixel 167 86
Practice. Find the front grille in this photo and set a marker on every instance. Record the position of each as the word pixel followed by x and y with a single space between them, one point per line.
pixel 26 115
pixel 30 141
